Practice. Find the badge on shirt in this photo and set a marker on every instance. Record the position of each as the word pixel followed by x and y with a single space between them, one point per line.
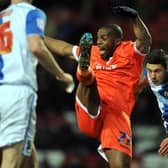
pixel 164 91
pixel 41 24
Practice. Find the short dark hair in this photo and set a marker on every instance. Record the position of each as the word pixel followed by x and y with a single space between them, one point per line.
pixel 116 30
pixel 157 56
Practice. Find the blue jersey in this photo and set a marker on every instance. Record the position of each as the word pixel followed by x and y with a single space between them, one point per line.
pixel 161 93
pixel 17 63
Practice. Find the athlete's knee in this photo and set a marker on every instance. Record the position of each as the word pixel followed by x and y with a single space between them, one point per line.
pixel 88 127
pixel 89 99
pixel 11 156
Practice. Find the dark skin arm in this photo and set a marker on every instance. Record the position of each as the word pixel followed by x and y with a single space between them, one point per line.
pixel 164 147
pixel 143 37
pixel 59 47
pixel 142 84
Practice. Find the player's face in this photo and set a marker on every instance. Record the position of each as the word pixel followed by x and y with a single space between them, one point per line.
pixel 105 42
pixel 156 73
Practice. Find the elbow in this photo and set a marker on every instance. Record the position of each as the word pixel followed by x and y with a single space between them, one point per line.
pixel 144 44
pixel 149 39
pixel 35 51
pixel 147 43
pixel 36 45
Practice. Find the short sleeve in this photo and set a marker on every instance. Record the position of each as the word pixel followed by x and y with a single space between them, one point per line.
pixel 35 22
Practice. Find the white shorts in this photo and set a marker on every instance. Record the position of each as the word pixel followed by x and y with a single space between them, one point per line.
pixel 17 116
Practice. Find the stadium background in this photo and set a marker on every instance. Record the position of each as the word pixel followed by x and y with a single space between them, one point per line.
pixel 59 141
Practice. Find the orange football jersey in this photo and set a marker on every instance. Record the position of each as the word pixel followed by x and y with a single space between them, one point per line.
pixel 118 77
pixel 117 80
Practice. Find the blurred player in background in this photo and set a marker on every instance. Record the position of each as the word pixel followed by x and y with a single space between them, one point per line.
pixel 21 48
pixel 157 77
pixel 108 75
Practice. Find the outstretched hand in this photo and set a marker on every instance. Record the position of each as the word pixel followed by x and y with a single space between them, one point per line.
pixel 164 147
pixel 125 11
pixel 68 80
pixel 70 87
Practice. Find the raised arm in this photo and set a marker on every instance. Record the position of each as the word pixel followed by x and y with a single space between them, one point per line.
pixel 143 37
pixel 59 47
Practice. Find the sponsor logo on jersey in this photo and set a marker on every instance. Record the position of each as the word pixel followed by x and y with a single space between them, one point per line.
pixel 106 67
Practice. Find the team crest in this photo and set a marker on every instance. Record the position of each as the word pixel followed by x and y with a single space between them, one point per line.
pixel 164 91
pixel 41 24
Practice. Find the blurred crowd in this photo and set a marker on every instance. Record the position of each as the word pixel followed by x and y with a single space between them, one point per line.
pixel 59 141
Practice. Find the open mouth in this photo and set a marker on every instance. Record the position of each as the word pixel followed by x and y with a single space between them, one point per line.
pixel 155 81
pixel 102 51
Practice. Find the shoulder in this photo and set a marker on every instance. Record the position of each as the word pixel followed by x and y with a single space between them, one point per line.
pixel 126 44
pixel 125 47
pixel 36 15
pixel 28 8
pixel 129 47
pixel 36 12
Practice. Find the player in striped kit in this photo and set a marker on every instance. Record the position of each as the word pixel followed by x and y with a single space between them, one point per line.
pixel 22 28
pixel 157 76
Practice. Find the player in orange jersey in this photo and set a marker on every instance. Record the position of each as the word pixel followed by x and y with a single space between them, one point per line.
pixel 108 75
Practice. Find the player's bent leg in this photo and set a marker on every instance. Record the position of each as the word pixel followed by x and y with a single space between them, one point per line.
pixel 12 156
pixel 117 159
pixel 88 124
pixel 87 107
pixel 87 91
pixel 89 97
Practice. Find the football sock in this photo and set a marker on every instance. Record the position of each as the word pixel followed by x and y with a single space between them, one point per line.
pixel 86 77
